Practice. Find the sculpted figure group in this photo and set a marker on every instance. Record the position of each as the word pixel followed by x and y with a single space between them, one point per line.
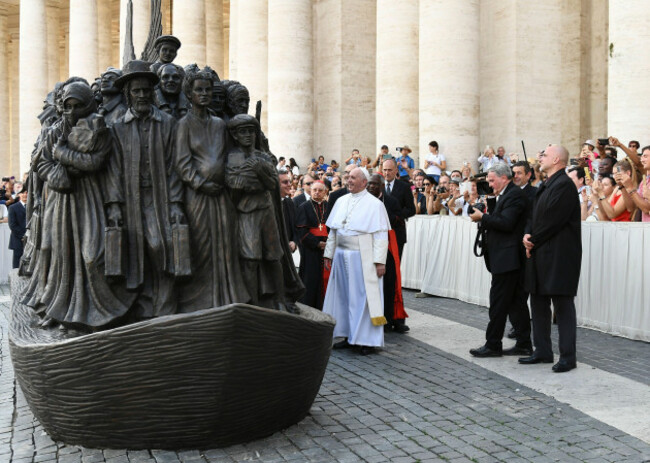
pixel 160 199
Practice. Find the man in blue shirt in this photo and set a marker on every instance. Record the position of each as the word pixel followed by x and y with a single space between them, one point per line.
pixel 405 163
pixel 321 163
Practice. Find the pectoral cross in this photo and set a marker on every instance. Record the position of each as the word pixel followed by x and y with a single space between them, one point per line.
pixel 320 226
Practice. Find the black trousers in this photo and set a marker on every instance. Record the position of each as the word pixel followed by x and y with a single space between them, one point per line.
pixel 18 253
pixel 505 299
pixel 565 314
pixel 389 289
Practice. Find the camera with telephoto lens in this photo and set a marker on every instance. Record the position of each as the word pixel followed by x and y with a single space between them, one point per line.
pixel 478 207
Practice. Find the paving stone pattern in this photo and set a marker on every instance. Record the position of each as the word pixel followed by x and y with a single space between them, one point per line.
pixel 614 354
pixel 408 403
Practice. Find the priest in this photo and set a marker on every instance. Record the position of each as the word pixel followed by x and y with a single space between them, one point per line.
pixel 356 250
pixel 310 221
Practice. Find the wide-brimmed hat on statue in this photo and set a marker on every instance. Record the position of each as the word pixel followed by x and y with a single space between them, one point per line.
pixel 167 39
pixel 134 69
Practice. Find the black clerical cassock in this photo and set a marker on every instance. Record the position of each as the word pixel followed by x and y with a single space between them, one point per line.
pixel 310 222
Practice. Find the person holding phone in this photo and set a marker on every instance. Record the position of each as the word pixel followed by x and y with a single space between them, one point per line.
pixel 434 163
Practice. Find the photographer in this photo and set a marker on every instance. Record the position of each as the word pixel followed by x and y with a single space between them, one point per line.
pixel 472 198
pixel 503 230
pixel 422 183
pixel 355 158
pixel 440 194
pixel 6 192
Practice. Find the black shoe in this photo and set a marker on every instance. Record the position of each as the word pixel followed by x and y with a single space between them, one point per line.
pixel 511 334
pixel 485 351
pixel 366 350
pixel 563 366
pixel 341 344
pixel 533 359
pixel 387 328
pixel 401 328
pixel 518 350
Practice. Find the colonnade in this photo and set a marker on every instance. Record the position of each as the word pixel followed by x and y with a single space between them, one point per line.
pixel 335 75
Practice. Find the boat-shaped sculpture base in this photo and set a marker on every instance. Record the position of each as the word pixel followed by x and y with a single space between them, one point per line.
pixel 211 378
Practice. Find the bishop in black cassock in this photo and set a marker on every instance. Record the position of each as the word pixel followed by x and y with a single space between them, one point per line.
pixel 310 223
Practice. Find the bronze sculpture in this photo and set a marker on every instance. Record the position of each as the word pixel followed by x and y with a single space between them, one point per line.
pixel 145 193
pixel 68 285
pixel 149 236
pixel 201 165
pixel 112 106
pixel 168 96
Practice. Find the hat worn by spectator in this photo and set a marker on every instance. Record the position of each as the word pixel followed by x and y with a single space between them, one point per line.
pixel 407 147
pixel 590 143
pixel 134 69
pixel 167 39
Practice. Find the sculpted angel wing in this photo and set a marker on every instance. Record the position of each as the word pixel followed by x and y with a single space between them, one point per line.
pixel 155 31
pixel 129 53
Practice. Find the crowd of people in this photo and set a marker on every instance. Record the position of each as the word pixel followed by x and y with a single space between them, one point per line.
pixel 610 187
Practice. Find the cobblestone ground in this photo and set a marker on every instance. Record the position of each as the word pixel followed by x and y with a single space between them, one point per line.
pixel 408 403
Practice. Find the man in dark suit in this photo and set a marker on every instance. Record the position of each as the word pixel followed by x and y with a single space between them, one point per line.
pixel 376 187
pixel 307 181
pixel 504 229
pixel 521 175
pixel 553 245
pixel 288 209
pixel 17 225
pixel 401 191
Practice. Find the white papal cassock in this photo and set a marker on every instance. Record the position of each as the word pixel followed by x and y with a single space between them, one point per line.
pixel 358 239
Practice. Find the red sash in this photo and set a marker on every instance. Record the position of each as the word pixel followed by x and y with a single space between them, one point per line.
pixel 326 272
pixel 398 309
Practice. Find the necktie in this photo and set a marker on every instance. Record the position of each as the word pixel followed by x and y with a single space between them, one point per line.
pixel 388 189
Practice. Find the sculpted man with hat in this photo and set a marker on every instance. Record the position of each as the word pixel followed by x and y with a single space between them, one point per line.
pixel 167 47
pixel 144 193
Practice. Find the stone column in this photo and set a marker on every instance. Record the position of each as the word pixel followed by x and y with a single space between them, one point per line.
pixel 344 70
pixel 232 40
pixel 33 69
pixel 291 118
pixel 83 39
pixel 628 84
pixel 141 23
pixel 53 45
pixel 397 75
pixel 104 36
pixel 523 96
pixel 188 24
pixel 252 53
pixel 449 78
pixel 214 45
pixel 5 113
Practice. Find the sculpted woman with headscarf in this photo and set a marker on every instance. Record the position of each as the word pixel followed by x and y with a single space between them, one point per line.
pixel 68 284
pixel 201 164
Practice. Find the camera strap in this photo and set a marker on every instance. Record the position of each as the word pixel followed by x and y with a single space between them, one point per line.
pixel 479 241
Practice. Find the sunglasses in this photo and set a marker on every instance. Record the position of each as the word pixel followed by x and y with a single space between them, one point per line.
pixel 308 183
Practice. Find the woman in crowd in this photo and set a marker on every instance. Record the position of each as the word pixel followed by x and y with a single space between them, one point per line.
pixel 435 163
pixel 602 190
pixel 538 176
pixel 612 207
pixel 293 166
pixel 487 159
pixel 466 174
